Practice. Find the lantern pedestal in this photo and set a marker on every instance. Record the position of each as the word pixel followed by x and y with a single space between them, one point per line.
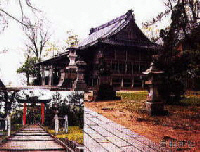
pixel 79 84
pixel 155 108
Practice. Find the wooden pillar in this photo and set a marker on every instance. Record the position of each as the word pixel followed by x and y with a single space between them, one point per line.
pixel 126 55
pixel 50 83
pixel 131 68
pixel 24 114
pixel 139 62
pixel 98 81
pixel 139 67
pixel 126 68
pixel 122 83
pixel 143 84
pixel 9 124
pixel 132 83
pixel 42 113
pixel 43 75
pixel 115 55
pixel 92 82
pixel 118 67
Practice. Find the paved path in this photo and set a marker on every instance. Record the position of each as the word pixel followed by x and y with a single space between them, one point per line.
pixel 32 138
pixel 103 135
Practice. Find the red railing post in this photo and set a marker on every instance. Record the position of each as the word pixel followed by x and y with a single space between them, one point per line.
pixel 42 112
pixel 24 114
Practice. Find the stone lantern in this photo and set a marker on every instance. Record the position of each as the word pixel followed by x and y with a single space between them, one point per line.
pixel 71 68
pixel 72 58
pixel 154 104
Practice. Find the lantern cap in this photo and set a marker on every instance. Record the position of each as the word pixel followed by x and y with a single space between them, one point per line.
pixel 153 70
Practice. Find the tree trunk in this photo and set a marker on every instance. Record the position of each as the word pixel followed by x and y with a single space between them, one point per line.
pixel 27 79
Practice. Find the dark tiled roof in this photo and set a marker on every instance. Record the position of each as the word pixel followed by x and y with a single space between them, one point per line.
pixel 1 84
pixel 54 59
pixel 107 29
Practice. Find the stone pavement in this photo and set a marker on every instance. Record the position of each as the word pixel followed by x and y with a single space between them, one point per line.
pixel 103 135
pixel 32 138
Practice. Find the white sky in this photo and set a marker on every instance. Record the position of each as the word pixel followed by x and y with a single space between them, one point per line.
pixel 64 15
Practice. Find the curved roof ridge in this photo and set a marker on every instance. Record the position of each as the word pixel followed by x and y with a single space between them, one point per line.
pixel 92 30
pixel 118 19
pixel 107 29
pixel 121 26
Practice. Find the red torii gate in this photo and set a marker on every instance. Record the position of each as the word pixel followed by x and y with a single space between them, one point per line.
pixel 33 99
pixel 42 112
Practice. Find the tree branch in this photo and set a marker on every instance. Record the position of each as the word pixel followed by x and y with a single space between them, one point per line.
pixel 21 8
pixel 14 18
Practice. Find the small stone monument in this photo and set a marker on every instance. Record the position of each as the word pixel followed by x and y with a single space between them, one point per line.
pixel 66 124
pixel 79 84
pixel 56 119
pixel 56 123
pixel 154 105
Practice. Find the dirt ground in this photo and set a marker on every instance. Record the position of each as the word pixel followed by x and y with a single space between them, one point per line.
pixel 179 130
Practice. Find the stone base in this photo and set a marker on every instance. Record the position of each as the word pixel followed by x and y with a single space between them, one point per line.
pixel 106 92
pixel 80 86
pixel 155 108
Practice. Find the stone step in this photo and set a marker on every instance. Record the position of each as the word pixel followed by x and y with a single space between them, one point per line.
pixel 31 145
pixel 36 131
pixel 35 150
pixel 31 134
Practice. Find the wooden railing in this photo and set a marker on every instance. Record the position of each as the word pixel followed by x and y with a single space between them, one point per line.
pixel 74 145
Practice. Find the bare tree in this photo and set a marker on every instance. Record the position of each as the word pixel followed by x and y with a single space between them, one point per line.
pixel 5 15
pixel 37 38
pixel 32 23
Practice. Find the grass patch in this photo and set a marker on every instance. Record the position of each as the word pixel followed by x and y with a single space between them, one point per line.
pixel 139 95
pixel 132 101
pixel 179 117
pixel 74 134
pixel 16 127
pixel 3 134
pixel 191 101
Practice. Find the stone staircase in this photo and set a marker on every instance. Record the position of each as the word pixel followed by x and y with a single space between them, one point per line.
pixel 32 138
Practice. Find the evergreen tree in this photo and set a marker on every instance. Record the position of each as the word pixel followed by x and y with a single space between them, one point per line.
pixel 179 64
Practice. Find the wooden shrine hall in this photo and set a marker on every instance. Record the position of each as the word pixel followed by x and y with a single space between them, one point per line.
pixel 115 53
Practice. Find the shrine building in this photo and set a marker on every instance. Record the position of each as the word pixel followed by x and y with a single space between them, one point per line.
pixel 115 53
